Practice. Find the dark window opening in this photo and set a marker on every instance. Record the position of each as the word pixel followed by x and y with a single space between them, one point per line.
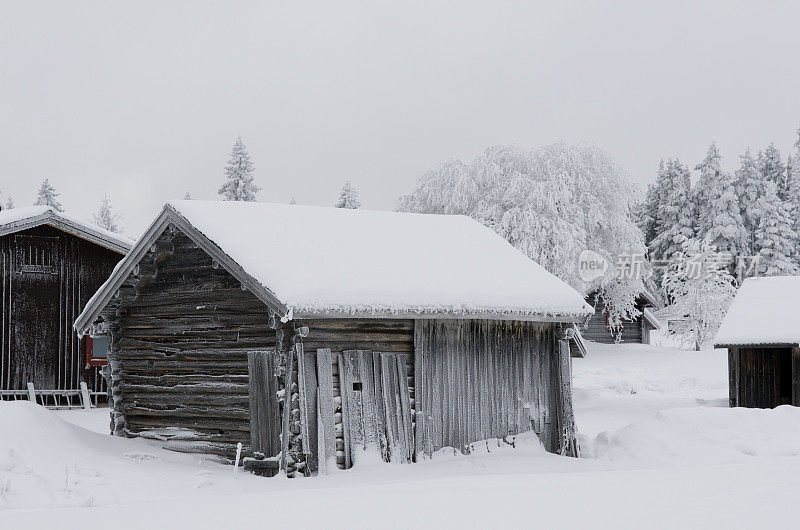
pixel 356 387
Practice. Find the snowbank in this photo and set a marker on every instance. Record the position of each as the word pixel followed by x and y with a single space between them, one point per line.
pixel 703 436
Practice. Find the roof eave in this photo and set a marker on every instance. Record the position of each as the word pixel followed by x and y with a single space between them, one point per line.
pixel 439 315
pixel 757 345
pixel 66 225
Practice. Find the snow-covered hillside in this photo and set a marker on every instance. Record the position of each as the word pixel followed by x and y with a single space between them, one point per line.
pixel 662 451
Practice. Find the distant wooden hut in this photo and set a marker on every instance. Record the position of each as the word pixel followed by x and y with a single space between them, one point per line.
pixel 50 264
pixel 762 333
pixel 636 330
pixel 325 335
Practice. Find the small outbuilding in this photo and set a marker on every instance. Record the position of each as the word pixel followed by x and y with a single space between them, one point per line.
pixel 762 333
pixel 50 264
pixel 636 330
pixel 316 337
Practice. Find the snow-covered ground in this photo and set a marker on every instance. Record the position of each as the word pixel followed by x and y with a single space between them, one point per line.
pixel 662 451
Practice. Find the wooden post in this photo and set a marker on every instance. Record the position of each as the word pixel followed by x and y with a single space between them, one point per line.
pixel 85 399
pixel 31 393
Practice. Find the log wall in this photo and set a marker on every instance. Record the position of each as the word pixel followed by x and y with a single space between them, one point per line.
pixel 182 328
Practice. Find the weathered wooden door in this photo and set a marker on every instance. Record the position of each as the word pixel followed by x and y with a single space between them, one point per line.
pixel 355 404
pixel 36 325
pixel 265 423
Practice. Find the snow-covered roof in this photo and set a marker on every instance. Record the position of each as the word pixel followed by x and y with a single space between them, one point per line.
pixel 651 318
pixel 764 312
pixel 17 219
pixel 315 261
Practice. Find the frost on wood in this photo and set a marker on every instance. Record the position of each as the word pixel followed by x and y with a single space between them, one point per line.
pixel 239 185
pixel 47 197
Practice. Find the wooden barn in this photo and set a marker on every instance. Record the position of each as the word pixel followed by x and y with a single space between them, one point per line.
pixel 50 264
pixel 320 336
pixel 636 330
pixel 762 334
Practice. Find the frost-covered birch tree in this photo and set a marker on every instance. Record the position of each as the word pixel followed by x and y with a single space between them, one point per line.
pixel 239 185
pixel 47 196
pixel 720 224
pixel 699 290
pixel 776 240
pixel 348 197
pixel 105 218
pixel 551 204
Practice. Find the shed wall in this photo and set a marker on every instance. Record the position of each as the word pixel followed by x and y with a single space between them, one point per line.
pixel 182 329
pixel 46 278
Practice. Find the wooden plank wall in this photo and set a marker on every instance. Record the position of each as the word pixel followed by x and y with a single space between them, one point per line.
pixel 37 342
pixel 183 328
pixel 345 343
pixel 762 376
pixel 484 379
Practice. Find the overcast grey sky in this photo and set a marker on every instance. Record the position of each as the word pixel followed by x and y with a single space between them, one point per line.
pixel 144 100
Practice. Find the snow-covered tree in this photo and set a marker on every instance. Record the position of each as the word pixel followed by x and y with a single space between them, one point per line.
pixel 551 204
pixel 772 168
pixel 348 197
pixel 187 196
pixel 701 290
pixel 239 184
pixel 292 201
pixel 105 218
pixel 645 212
pixel 776 240
pixel 749 189
pixel 47 196
pixel 719 216
pixel 675 214
pixel 10 202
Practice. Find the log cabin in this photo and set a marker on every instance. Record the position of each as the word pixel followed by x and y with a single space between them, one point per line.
pixel 317 337
pixel 50 264
pixel 761 332
pixel 636 330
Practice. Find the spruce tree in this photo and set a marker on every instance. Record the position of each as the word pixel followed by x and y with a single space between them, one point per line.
pixel 47 196
pixel 239 185
pixel 675 214
pixel 793 196
pixel 776 240
pixel 105 218
pixel 749 189
pixel 772 168
pixel 719 217
pixel 187 196
pixel 348 197
pixel 10 203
